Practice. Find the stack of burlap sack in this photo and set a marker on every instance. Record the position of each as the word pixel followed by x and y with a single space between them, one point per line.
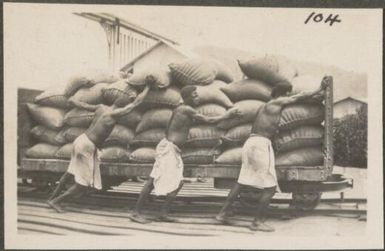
pixel 58 124
pixel 300 136
pixel 209 76
pixel 136 134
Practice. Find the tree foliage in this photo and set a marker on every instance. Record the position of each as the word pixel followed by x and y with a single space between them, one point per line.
pixel 350 139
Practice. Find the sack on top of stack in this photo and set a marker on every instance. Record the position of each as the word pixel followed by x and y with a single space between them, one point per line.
pixel 46 135
pixel 87 80
pixel 102 76
pixel 167 97
pixel 92 95
pixel 54 97
pixel 269 69
pixel 75 83
pixel 50 117
pixel 119 90
pixel 212 93
pixel 156 118
pixel 156 75
pixel 223 72
pixel 248 89
pixel 194 71
pixel 248 109
pixel 161 78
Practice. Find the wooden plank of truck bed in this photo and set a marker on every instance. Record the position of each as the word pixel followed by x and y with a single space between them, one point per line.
pixel 289 173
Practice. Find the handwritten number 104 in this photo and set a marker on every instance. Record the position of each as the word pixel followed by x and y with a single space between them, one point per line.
pixel 331 19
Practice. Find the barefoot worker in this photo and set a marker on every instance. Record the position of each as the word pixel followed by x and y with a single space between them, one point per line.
pixel 84 165
pixel 258 168
pixel 167 173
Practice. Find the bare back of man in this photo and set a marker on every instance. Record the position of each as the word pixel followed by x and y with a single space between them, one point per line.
pixel 179 125
pixel 101 125
pixel 267 119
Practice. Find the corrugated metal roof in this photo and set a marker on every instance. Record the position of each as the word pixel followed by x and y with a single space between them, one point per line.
pixel 111 19
pixel 359 99
pixel 131 63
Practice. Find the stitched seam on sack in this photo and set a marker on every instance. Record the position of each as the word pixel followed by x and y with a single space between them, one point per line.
pixel 300 120
pixel 194 80
pixel 111 90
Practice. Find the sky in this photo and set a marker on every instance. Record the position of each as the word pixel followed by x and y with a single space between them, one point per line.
pixel 44 44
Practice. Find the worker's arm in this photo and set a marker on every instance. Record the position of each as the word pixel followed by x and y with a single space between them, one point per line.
pixel 203 118
pixel 300 96
pixel 82 105
pixel 128 108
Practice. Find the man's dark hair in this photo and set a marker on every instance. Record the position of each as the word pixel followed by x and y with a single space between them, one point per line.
pixel 281 88
pixel 187 91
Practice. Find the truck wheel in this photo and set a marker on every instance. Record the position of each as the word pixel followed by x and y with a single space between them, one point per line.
pixel 305 201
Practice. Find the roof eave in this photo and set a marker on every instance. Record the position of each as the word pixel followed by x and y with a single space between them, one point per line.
pixel 130 64
pixel 98 17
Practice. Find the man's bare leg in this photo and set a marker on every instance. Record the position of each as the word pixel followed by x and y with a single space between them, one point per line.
pixel 146 190
pixel 259 221
pixel 166 206
pixel 233 194
pixel 74 190
pixel 65 178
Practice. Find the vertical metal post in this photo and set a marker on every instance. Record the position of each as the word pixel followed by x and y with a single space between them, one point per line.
pixel 113 48
pixel 328 136
pixel 109 30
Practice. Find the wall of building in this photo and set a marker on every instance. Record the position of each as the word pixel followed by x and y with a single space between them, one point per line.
pixel 131 44
pixel 345 107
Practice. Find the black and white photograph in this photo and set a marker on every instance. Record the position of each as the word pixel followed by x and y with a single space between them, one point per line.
pixel 163 127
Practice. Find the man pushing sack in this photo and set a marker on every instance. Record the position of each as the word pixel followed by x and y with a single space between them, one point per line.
pixel 167 173
pixel 258 167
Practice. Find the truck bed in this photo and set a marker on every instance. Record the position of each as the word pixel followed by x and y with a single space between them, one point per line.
pixel 290 173
pixel 48 167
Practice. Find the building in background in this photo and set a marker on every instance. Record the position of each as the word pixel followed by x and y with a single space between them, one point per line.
pixel 126 41
pixel 162 53
pixel 348 106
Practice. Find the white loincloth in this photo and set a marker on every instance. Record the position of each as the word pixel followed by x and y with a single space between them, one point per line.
pixel 168 168
pixel 84 163
pixel 258 163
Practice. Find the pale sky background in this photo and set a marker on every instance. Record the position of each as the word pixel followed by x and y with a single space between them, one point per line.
pixel 44 44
